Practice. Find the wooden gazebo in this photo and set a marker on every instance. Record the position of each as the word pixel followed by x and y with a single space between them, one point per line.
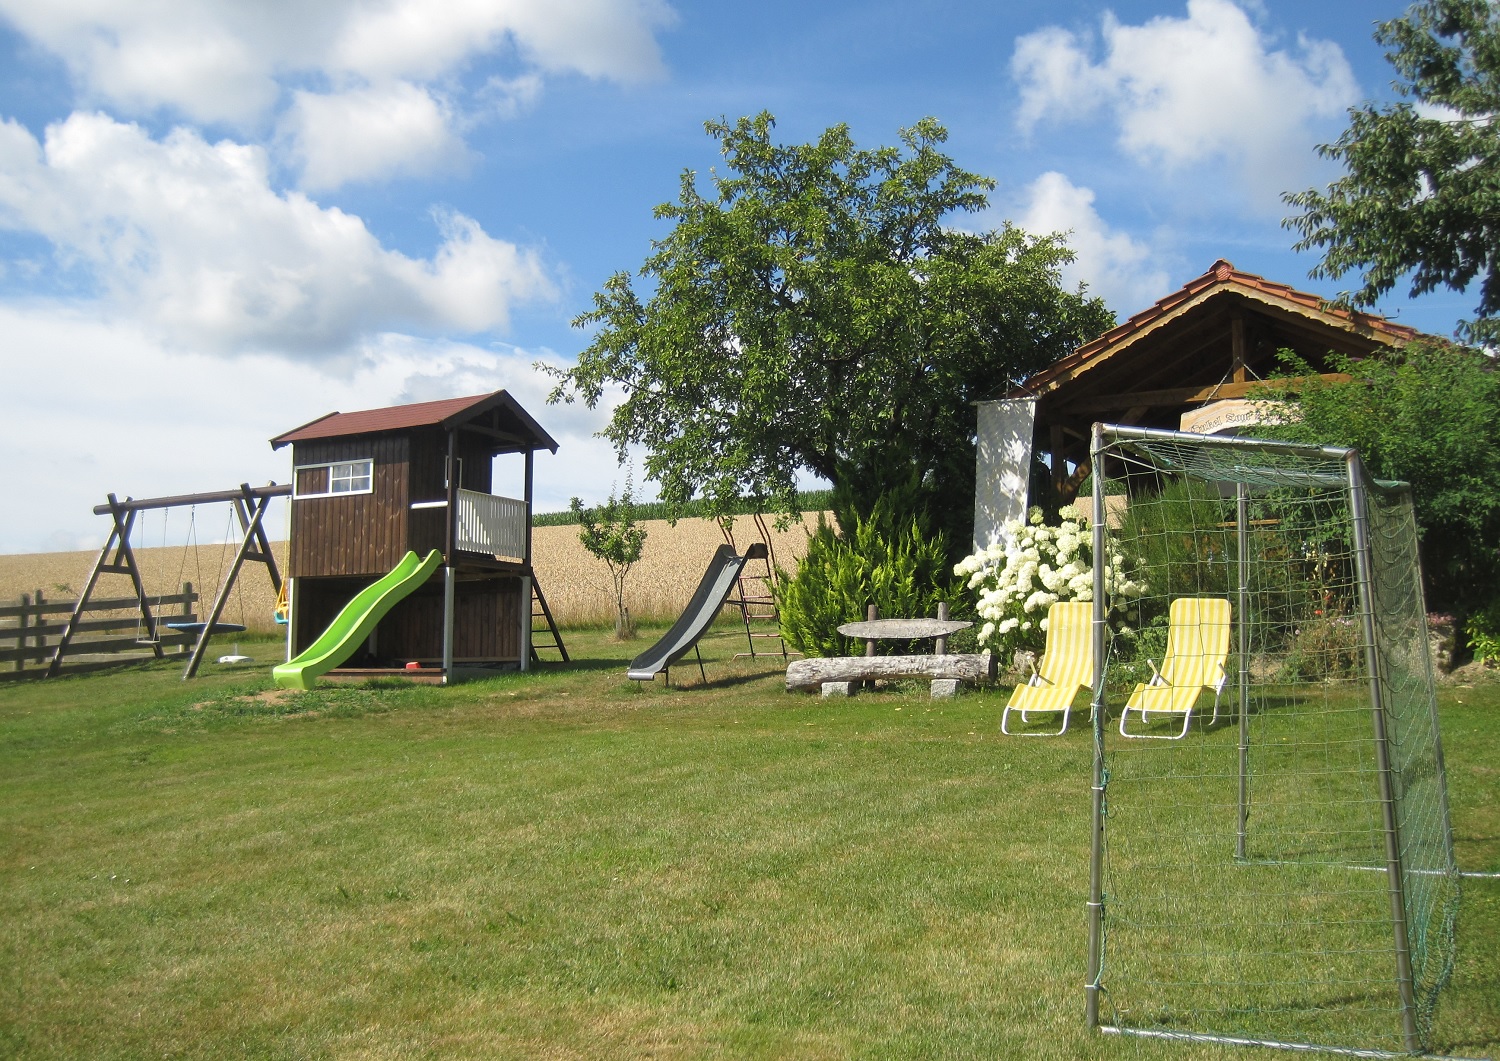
pixel 1196 353
pixel 368 486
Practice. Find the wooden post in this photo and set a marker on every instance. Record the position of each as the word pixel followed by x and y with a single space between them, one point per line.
pixel 21 629
pixel 1237 349
pixel 119 534
pixel 871 614
pixel 187 605
pixel 525 601
pixel 1059 468
pixel 41 622
pixel 450 539
pixel 125 564
pixel 940 646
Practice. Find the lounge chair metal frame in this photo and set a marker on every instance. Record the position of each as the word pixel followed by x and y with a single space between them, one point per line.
pixel 1067 666
pixel 1200 625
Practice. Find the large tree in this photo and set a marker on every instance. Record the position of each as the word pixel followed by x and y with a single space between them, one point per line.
pixel 1421 196
pixel 816 310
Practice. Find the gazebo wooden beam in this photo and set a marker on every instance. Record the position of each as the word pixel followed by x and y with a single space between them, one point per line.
pixel 1188 395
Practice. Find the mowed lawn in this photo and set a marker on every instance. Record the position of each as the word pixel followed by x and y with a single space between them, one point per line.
pixel 565 865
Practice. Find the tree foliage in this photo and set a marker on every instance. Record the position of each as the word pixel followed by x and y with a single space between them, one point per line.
pixel 813 311
pixel 1422 191
pixel 610 533
pixel 1428 414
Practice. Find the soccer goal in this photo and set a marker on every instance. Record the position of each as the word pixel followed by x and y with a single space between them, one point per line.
pixel 1272 860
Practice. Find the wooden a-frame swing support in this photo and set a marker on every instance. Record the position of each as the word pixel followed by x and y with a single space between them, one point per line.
pixel 250 504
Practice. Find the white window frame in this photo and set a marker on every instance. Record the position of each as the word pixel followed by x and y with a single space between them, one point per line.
pixel 367 475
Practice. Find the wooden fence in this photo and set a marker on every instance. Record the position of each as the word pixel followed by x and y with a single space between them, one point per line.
pixel 30 629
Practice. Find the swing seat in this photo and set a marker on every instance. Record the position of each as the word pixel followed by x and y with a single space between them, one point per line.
pixel 219 628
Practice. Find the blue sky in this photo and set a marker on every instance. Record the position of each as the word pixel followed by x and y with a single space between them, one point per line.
pixel 220 220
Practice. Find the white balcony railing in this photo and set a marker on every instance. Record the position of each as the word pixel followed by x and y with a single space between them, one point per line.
pixel 490 525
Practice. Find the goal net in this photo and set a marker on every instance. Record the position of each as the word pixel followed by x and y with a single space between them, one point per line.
pixel 1273 860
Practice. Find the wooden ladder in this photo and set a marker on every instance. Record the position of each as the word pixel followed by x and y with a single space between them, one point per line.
pixel 539 610
pixel 756 600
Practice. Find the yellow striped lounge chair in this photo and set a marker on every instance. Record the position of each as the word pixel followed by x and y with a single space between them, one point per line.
pixel 1197 648
pixel 1067 665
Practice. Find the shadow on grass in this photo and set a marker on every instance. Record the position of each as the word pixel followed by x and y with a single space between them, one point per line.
pixel 1203 718
pixel 575 664
pixel 728 682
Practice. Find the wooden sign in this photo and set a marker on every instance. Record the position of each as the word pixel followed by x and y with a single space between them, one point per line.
pixel 1230 416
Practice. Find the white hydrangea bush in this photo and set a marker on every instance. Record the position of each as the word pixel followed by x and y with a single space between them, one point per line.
pixel 1037 565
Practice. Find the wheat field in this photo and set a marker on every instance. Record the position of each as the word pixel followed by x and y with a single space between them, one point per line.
pixel 576 585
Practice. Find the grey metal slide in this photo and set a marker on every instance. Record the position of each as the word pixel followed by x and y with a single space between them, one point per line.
pixel 720 578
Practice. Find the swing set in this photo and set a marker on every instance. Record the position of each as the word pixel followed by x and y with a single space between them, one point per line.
pixel 248 504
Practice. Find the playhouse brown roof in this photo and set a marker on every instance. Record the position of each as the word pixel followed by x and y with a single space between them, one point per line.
pixel 447 413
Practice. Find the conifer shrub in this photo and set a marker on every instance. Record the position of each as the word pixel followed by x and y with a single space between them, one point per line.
pixel 885 561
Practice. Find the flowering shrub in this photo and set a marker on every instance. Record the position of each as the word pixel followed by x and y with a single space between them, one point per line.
pixel 1324 649
pixel 1039 565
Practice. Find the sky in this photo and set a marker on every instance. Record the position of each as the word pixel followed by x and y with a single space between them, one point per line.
pixel 220 220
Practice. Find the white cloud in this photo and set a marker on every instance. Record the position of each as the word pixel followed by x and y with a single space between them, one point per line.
pixel 223 60
pixel 370 132
pixel 193 240
pixel 1184 91
pixel 358 89
pixel 1115 266
pixel 1059 82
pixel 163 422
pixel 415 38
pixel 210 61
pixel 505 97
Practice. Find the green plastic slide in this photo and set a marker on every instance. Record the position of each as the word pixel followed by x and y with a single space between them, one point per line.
pixel 355 622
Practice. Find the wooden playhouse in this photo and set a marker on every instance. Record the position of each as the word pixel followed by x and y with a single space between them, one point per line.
pixel 370 486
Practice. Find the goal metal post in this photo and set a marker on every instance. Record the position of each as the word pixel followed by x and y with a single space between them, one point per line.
pixel 1283 876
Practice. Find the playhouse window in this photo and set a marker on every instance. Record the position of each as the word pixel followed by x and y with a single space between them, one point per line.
pixel 351 478
pixel 336 477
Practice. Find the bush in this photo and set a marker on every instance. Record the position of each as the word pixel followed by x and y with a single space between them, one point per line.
pixel 1184 537
pixel 1484 635
pixel 894 567
pixel 1326 649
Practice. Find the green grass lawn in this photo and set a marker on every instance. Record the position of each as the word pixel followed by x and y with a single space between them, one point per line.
pixel 566 865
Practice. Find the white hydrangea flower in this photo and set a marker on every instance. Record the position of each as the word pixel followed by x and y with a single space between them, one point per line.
pixel 1015 583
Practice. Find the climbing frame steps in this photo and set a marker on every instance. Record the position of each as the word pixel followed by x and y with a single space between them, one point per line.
pixel 756 598
pixel 539 610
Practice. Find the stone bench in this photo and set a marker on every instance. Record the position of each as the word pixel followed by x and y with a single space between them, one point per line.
pixel 945 672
